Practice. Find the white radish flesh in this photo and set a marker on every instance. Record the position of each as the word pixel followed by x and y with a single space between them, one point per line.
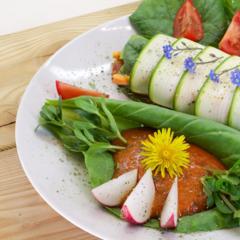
pixel 115 191
pixel 169 215
pixel 137 208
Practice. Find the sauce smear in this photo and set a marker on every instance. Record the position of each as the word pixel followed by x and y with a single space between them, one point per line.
pixel 192 199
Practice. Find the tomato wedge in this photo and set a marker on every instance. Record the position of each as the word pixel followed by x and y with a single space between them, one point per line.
pixel 188 22
pixel 231 40
pixel 67 91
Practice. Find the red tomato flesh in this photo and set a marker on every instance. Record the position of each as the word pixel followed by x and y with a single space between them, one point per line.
pixel 231 40
pixel 188 22
pixel 67 91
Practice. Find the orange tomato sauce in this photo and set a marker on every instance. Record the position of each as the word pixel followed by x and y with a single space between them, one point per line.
pixel 192 199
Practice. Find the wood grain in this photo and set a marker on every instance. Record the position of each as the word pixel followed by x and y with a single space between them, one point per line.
pixel 7 137
pixel 23 214
pixel 21 54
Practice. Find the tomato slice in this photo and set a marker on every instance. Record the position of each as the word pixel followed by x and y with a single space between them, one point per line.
pixel 188 22
pixel 230 42
pixel 67 91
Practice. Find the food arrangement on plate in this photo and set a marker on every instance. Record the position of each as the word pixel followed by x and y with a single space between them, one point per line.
pixel 148 164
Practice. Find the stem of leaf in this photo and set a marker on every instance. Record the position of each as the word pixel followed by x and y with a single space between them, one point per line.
pixel 228 203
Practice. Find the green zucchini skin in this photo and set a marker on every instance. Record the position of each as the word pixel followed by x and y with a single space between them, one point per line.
pixel 214 100
pixel 234 113
pixel 168 72
pixel 146 61
pixel 190 84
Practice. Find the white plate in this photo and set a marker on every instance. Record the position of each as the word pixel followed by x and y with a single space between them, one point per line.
pixel 59 178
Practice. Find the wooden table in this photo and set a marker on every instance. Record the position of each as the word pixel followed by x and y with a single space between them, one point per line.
pixel 23 214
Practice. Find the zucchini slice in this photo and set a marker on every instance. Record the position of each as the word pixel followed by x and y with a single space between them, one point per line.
pixel 190 84
pixel 234 114
pixel 146 61
pixel 168 72
pixel 215 98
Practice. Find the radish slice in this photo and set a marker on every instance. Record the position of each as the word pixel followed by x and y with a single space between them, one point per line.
pixel 137 208
pixel 169 215
pixel 114 192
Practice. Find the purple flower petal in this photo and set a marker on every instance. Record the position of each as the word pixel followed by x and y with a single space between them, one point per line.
pixel 190 65
pixel 167 50
pixel 213 76
pixel 235 77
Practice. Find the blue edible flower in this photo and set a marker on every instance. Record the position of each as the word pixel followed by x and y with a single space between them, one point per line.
pixel 190 65
pixel 167 49
pixel 235 77
pixel 213 76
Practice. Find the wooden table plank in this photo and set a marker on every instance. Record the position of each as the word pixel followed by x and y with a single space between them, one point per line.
pixel 23 214
pixel 7 137
pixel 21 54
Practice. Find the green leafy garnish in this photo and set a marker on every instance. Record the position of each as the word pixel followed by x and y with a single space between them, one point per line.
pixel 231 6
pixel 157 16
pixel 85 127
pixel 131 51
pixel 223 190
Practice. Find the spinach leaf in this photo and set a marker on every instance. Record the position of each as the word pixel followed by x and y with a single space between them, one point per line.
pixel 214 20
pixel 231 7
pixel 157 16
pixel 206 221
pixel 99 163
pixel 131 51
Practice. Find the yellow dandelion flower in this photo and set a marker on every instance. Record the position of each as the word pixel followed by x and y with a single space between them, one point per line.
pixel 162 152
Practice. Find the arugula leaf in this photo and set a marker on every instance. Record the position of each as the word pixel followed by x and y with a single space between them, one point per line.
pixel 112 122
pixel 131 51
pixel 157 16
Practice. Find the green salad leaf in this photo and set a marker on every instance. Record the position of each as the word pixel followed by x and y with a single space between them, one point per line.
pixel 214 20
pixel 131 51
pixel 157 16
pixel 204 221
pixel 223 190
pixel 231 6
pixel 88 129
pixel 99 163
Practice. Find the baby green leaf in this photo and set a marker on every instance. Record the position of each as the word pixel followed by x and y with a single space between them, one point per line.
pixel 221 206
pixel 99 163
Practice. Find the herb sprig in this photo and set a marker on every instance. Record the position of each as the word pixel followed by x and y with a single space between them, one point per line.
pixel 223 190
pixel 85 127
